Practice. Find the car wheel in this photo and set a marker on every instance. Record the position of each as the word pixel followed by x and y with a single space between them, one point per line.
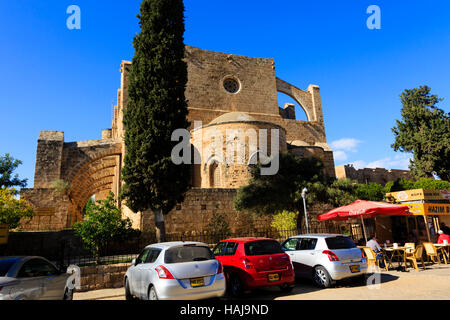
pixel 152 294
pixel 286 288
pixel 68 294
pixel 236 286
pixel 321 277
pixel 128 295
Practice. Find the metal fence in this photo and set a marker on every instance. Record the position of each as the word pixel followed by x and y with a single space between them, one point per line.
pixel 124 252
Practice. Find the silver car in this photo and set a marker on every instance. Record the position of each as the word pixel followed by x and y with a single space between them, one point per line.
pixel 175 270
pixel 32 278
pixel 325 258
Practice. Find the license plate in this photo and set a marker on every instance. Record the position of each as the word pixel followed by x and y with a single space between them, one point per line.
pixel 197 282
pixel 354 269
pixel 273 277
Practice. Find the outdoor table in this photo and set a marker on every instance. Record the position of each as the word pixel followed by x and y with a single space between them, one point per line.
pixel 399 252
pixel 444 248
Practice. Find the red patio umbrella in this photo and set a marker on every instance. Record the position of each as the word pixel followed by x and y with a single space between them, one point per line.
pixel 365 209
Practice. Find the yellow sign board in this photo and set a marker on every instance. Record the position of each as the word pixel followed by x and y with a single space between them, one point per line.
pixel 429 209
pixel 418 194
pixel 4 232
pixel 44 211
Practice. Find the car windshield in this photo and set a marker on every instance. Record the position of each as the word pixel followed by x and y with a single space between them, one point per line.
pixel 188 253
pixel 6 264
pixel 340 243
pixel 261 247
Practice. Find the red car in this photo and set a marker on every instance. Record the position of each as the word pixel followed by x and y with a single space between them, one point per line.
pixel 250 263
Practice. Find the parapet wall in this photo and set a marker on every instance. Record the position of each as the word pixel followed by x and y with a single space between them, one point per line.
pixel 366 175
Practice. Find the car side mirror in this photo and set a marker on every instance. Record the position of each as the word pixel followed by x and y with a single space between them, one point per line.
pixel 133 262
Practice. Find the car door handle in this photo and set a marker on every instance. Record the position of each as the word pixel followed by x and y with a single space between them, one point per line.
pixel 312 253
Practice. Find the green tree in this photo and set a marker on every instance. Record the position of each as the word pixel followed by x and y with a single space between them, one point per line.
pixel 341 192
pixel 103 224
pixel 269 194
pixel 423 183
pixel 371 191
pixel 7 179
pixel 425 132
pixel 218 227
pixel 13 210
pixel 156 107
pixel 284 220
pixel 433 184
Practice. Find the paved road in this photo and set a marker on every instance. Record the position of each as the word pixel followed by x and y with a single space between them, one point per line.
pixel 433 284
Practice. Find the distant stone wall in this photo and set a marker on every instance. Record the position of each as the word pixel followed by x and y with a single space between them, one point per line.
pixel 366 175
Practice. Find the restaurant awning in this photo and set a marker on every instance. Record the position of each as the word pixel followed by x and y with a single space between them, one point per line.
pixel 365 209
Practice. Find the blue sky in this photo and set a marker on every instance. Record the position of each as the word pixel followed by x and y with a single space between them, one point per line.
pixel 54 78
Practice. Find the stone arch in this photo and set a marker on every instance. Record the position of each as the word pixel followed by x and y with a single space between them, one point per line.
pixel 303 98
pixel 85 155
pixel 97 171
pixel 214 173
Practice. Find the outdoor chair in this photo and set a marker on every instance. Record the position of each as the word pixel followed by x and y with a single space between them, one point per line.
pixel 373 259
pixel 432 253
pixel 414 256
pixel 410 247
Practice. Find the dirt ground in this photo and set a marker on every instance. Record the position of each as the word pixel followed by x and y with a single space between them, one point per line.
pixel 430 284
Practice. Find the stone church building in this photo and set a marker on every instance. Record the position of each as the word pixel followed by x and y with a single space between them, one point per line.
pixel 224 92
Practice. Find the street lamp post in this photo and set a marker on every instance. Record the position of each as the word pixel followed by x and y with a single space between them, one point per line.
pixel 304 191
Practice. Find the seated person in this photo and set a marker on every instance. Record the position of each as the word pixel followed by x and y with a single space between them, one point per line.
pixel 442 237
pixel 373 244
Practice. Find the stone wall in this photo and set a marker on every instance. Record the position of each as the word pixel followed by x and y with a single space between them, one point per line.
pixel 56 217
pixel 102 277
pixel 199 206
pixel 366 175
pixel 241 140
pixel 207 70
pixel 48 158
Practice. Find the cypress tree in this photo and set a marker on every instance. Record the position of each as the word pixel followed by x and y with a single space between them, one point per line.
pixel 156 107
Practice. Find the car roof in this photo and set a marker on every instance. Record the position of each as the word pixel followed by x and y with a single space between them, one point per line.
pixel 246 239
pixel 319 235
pixel 166 245
pixel 12 257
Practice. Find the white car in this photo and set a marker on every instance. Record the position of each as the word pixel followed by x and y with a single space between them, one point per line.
pixel 325 258
pixel 177 271
pixel 32 278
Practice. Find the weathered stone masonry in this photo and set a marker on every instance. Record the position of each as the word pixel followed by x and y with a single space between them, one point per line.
pixel 224 91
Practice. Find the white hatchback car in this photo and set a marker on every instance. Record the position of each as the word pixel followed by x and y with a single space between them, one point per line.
pixel 325 258
pixel 177 271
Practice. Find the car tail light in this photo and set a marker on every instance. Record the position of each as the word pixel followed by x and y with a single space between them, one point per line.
pixel 331 255
pixel 163 273
pixel 247 263
pixel 220 267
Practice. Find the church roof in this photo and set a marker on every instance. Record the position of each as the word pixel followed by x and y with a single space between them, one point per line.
pixel 233 117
